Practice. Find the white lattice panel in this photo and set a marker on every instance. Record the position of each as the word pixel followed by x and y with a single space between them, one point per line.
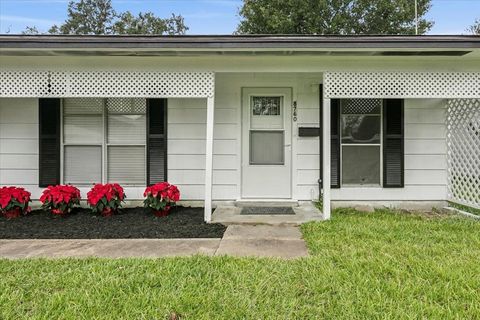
pixel 361 106
pixel 127 105
pixel 463 143
pixel 100 84
pixel 402 84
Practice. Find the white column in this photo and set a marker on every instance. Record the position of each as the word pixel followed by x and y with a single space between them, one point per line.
pixel 209 159
pixel 326 157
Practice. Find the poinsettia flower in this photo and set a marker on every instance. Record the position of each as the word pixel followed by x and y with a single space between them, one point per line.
pixel 14 198
pixel 54 197
pixel 113 194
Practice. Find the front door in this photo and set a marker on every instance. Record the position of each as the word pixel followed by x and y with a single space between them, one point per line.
pixel 266 143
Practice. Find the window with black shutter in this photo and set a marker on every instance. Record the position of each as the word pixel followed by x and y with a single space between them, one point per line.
pixel 367 142
pixel 156 141
pixel 49 142
pixel 335 143
pixel 393 143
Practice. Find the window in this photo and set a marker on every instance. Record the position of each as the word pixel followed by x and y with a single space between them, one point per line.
pixel 104 140
pixel 267 134
pixel 266 147
pixel 361 136
pixel 266 106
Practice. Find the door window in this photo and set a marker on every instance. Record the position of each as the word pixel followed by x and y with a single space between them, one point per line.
pixel 267 134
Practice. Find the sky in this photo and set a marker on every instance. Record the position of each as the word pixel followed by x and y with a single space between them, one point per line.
pixel 205 16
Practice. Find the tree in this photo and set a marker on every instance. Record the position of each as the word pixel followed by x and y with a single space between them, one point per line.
pixel 147 23
pixel 333 17
pixel 87 17
pixel 99 17
pixel 31 30
pixel 475 28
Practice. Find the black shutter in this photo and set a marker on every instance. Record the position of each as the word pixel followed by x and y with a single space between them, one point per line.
pixel 393 143
pixel 335 143
pixel 156 141
pixel 49 142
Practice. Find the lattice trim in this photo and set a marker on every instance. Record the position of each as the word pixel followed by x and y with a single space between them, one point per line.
pixel 463 151
pixel 402 84
pixel 100 84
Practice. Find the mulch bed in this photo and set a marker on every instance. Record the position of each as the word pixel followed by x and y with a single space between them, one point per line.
pixel 137 223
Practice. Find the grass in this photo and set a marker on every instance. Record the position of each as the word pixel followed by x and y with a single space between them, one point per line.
pixel 363 265
pixel 465 208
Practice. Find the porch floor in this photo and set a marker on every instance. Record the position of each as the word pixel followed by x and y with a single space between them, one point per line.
pixel 304 212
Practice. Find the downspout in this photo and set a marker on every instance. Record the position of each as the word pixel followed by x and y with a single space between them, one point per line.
pixel 320 105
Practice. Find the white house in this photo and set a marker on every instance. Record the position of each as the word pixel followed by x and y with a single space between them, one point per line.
pixel 385 120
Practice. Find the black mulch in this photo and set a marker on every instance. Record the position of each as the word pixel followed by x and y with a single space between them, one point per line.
pixel 137 223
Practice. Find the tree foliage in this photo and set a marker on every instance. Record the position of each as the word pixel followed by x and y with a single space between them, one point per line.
pixel 148 23
pixel 99 17
pixel 475 28
pixel 333 17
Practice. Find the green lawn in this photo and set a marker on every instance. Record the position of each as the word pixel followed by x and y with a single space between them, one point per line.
pixel 375 265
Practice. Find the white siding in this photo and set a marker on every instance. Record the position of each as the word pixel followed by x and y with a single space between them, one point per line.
pixel 425 157
pixel 19 144
pixel 186 149
pixel 425 148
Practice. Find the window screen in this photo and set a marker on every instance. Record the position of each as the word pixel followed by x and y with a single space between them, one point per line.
pixel 114 126
pixel 266 147
pixel 82 120
pixel 361 141
pixel 126 164
pixel 82 165
pixel 126 121
pixel 361 165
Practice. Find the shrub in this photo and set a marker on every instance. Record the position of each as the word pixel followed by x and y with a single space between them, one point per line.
pixel 161 197
pixel 105 198
pixel 60 199
pixel 14 201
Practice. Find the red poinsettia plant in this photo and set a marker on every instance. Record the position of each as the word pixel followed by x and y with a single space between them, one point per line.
pixel 14 201
pixel 105 198
pixel 60 199
pixel 161 197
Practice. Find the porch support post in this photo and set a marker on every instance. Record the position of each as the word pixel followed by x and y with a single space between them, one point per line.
pixel 209 159
pixel 326 157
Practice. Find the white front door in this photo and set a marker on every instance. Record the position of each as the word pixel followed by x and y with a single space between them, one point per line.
pixel 266 143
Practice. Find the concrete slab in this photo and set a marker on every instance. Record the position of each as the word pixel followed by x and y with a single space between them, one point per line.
pixel 230 215
pixel 239 240
pixel 263 241
pixel 286 249
pixel 266 203
pixel 243 232
pixel 108 248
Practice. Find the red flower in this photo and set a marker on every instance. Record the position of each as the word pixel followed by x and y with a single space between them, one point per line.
pixel 161 196
pixel 13 198
pixel 105 198
pixel 60 199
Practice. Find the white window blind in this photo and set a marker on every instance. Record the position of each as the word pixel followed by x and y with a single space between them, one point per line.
pixel 83 121
pixel 126 121
pixel 82 165
pixel 116 126
pixel 126 165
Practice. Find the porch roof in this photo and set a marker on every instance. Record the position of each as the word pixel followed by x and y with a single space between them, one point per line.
pixel 372 45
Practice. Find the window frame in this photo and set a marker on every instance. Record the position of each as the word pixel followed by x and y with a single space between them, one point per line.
pixel 104 145
pixel 380 145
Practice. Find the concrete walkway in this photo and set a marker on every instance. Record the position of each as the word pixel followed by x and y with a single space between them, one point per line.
pixel 239 240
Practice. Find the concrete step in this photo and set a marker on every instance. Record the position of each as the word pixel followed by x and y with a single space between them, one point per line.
pixel 266 203
pixel 230 215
